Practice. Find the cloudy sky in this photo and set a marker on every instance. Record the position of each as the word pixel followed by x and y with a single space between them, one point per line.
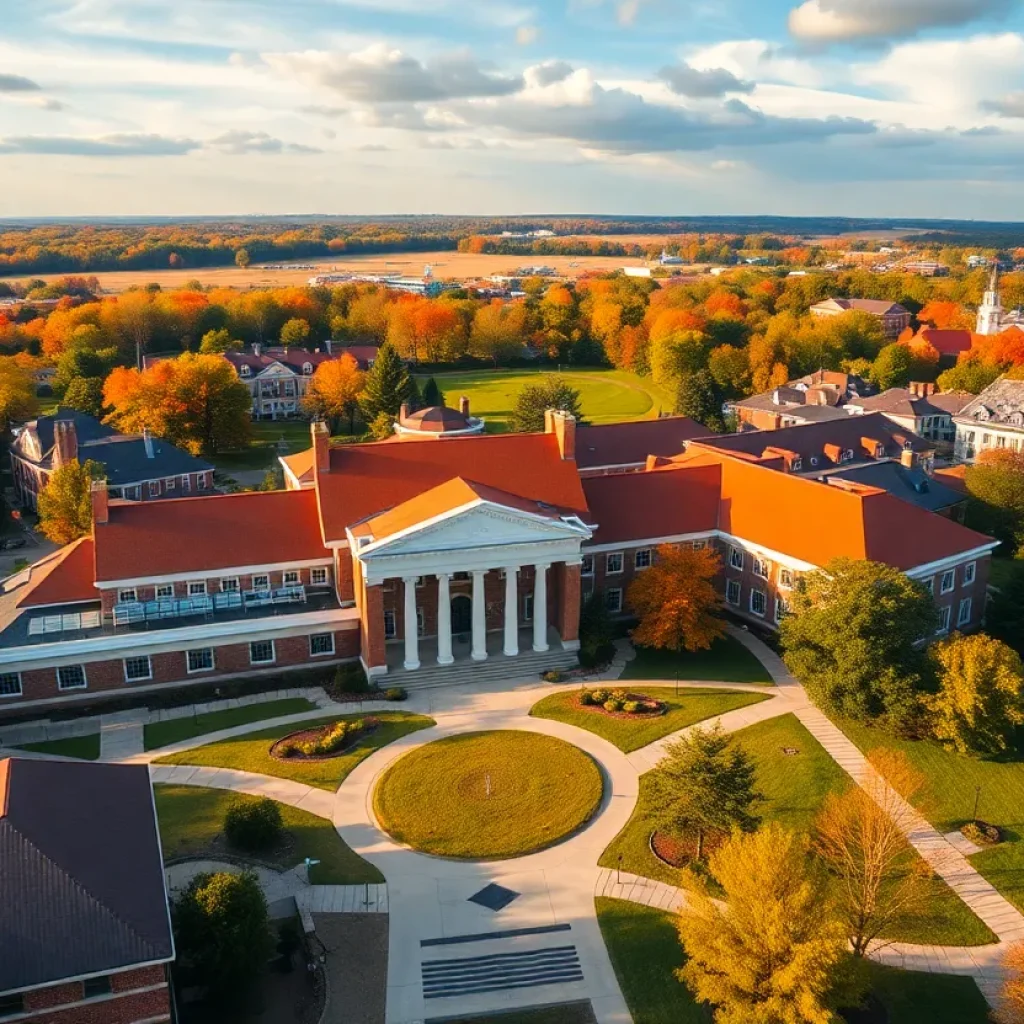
pixel 856 107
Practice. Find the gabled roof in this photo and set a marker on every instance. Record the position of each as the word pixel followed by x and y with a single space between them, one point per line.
pixel 366 479
pixel 945 342
pixel 126 460
pixel 300 466
pixel 221 531
pixel 82 887
pixel 626 444
pixel 292 358
pixel 87 428
pixel 1001 403
pixel 913 484
pixel 877 307
pixel 65 577
pixel 903 402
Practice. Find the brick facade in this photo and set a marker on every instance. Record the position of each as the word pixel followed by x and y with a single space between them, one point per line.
pixel 135 995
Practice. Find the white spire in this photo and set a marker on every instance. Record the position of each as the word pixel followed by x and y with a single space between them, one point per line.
pixel 990 312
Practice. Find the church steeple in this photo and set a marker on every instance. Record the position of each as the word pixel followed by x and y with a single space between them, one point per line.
pixel 990 312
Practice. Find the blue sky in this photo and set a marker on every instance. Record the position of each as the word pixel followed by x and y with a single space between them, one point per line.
pixel 853 107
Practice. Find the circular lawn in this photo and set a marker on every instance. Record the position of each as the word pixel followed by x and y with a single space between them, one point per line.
pixel 488 795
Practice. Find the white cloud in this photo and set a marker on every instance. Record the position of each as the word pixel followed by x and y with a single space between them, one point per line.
pixel 238 142
pixel 758 60
pixel 685 80
pixel 1010 105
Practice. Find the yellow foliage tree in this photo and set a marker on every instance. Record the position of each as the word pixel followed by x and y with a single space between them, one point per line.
pixel 1010 1008
pixel 334 391
pixel 676 601
pixel 65 503
pixel 17 392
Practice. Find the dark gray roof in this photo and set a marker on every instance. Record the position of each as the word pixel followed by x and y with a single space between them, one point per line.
pixel 126 461
pixel 1001 404
pixel 913 485
pixel 87 427
pixel 81 875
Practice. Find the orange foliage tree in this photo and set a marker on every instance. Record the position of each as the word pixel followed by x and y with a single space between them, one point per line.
pixel 946 316
pixel 676 601
pixel 334 391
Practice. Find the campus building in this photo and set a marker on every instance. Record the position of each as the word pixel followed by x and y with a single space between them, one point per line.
pixel 894 318
pixel 992 420
pixel 419 554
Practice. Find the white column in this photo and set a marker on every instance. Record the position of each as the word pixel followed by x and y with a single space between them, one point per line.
pixel 412 639
pixel 540 607
pixel 444 620
pixel 479 652
pixel 511 610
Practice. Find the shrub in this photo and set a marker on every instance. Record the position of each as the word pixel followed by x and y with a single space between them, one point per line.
pixel 253 824
pixel 330 739
pixel 348 679
pixel 613 705
pixel 631 707
pixel 395 693
pixel 620 695
pixel 586 697
pixel 981 833
pixel 552 677
pixel 287 748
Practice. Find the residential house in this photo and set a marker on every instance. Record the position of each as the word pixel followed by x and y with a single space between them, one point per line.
pixel 992 420
pixel 138 467
pixel 83 898
pixel 919 408
pixel 895 318
pixel 817 398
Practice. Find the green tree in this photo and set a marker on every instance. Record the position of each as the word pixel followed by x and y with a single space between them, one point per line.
pixel 81 360
pixel 222 933
pixel 698 397
pixel 533 400
pixel 894 367
pixel 995 484
pixel 432 394
pixel 730 368
pixel 853 639
pixel 388 385
pixel 705 787
pixel 980 701
pixel 218 341
pixel 773 951
pixel 969 376
pixel 242 258
pixel 86 395
pixel 18 400
pixel 65 503
pixel 382 426
pixel 1004 616
pixel 295 332
pixel 597 633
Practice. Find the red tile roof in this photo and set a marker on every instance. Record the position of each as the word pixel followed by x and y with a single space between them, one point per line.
pixel 623 444
pixel 367 479
pixel 946 343
pixel 185 535
pixel 65 577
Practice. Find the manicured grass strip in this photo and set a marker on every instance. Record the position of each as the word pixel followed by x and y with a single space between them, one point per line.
pixel 795 787
pixel 251 752
pixel 728 661
pixel 488 795
pixel 645 951
pixel 86 748
pixel 163 734
pixel 628 734
pixel 192 818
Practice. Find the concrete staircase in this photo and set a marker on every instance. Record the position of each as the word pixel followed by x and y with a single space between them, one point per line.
pixel 528 665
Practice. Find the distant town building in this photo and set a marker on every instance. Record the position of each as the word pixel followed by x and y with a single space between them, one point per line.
pixel 895 319
pixel 926 268
pixel 950 343
pixel 814 398
pixel 667 260
pixel 992 420
pixel 637 271
pixel 919 408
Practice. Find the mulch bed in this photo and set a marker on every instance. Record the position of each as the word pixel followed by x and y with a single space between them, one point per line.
pixel 306 735
pixel 679 851
pixel 649 708
pixel 986 834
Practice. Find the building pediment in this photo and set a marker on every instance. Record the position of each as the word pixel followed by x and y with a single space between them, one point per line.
pixel 276 370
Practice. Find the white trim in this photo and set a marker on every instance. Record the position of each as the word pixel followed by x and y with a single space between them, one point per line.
pixel 290 475
pixel 272 660
pixel 647 542
pixel 21 689
pixel 973 566
pixel 764 597
pixel 739 593
pixel 613 590
pixel 213 573
pixel 199 671
pixel 932 568
pixel 321 654
pixel 968 603
pixel 137 657
pixel 949 573
pixel 608 570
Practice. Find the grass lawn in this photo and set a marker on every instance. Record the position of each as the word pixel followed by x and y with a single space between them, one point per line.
pixel 631 734
pixel 251 753
pixel 162 734
pixel 645 952
pixel 794 788
pixel 728 661
pixel 606 396
pixel 192 818
pixel 86 748
pixel 488 795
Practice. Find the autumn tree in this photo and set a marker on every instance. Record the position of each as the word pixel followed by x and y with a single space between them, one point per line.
pixel 553 392
pixel 18 400
pixel 980 700
pixel 387 385
pixel 704 787
pixel 499 331
pixel 861 833
pixel 65 503
pixel 334 391
pixel 770 953
pixel 893 367
pixel 219 341
pixel 730 368
pixel 676 600
pixel 86 395
pixel 853 639
pixel 295 332
pixel 1010 1007
pixel 242 258
pixel 995 484
pixel 382 426
pixel 968 375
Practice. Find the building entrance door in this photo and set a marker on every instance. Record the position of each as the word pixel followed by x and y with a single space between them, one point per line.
pixel 462 614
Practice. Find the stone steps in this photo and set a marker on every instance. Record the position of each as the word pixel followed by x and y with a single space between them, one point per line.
pixel 495 668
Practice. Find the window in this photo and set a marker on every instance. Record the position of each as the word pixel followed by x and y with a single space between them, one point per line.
pixel 154 488
pixel 761 567
pixel 781 608
pixel 588 565
pixel 929 585
pixel 318 576
pixel 785 578
pixel 10 1005
pixel 758 602
pixel 945 614
pixel 321 644
pixel 127 595
pixel 200 660
pixel 137 669
pixel 196 588
pixel 202 481
pixel 642 559
pixel 71 677
pixel 261 652
pixel 421 622
pixel 527 607
pixel 736 558
pixel 963 615
pixel 699 545
pixel 245 371
pixel 613 563
pixel 798 464
pixel 186 483
pixel 948 581
pixel 261 582
pixel 133 493
pixel 307 369
pixel 847 455
pixel 10 684
pixel 970 572
pixel 93 987
pixel 165 590
pixel 732 592
pixel 389 623
pixel 169 484
pixel 292 578
pixel 613 599
pixel 229 585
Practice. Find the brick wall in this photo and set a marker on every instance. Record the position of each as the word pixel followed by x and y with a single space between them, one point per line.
pixel 135 995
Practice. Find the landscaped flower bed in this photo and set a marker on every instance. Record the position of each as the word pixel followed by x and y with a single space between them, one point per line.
pixel 981 833
pixel 324 742
pixel 679 851
pixel 620 703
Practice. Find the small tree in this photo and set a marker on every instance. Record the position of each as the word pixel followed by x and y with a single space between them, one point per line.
pixel 334 391
pixel 697 396
pixel 893 367
pixel 242 258
pixel 432 394
pixel 65 503
pixel 996 487
pixel 1004 616
pixel 18 400
pixel 769 954
pixel 676 601
pixel 534 399
pixel 222 933
pixel 388 385
pixel 981 694
pixel 382 427
pixel 597 634
pixel 86 395
pixel 1010 1008
pixel 295 332
pixel 254 825
pixel 861 833
pixel 218 341
pixel 704 786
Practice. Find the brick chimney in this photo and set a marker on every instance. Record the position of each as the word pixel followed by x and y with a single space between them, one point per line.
pixel 464 406
pixel 100 502
pixel 563 426
pixel 321 446
pixel 908 458
pixel 65 442
pixel 403 412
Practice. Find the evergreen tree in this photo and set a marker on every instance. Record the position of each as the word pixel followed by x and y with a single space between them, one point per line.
pixel 697 397
pixel 597 633
pixel 388 385
pixel 531 403
pixel 432 394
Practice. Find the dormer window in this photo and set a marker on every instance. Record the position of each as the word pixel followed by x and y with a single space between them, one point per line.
pixel 797 465
pixel 908 446
pixel 244 371
pixel 847 455
pixel 307 369
pixel 879 451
